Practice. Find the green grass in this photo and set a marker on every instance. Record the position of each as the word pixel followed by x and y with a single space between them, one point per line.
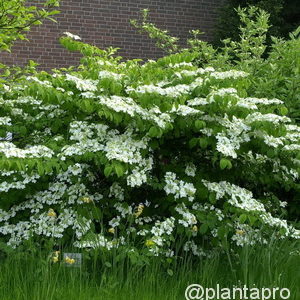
pixel 24 276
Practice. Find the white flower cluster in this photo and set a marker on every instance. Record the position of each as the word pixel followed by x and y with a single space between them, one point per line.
pixel 179 188
pixel 208 208
pixel 181 64
pixel 5 121
pixel 190 170
pixel 246 235
pixel 21 100
pixel 10 150
pixel 116 191
pixel 251 103
pixel 125 148
pixel 196 72
pixel 81 130
pixel 221 93
pixel 230 140
pixel 188 219
pixel 190 246
pixel 275 222
pixel 233 74
pixel 129 106
pixel 124 209
pixel 272 118
pixel 137 177
pixel 139 174
pixel 84 85
pixel 237 196
pixel 184 110
pixel 172 91
pixel 278 168
pixel 44 83
pixel 110 75
pixel 197 101
pixel 96 242
pixel 15 182
pixel 226 146
pixel 72 36
pixel 6 88
pixel 161 230
pixel 49 223
pixel 243 199
pixel 269 139
pixel 292 147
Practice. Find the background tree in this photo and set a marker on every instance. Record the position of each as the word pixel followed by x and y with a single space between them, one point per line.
pixel 284 17
pixel 17 16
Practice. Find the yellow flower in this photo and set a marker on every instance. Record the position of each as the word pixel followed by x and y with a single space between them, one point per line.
pixel 69 260
pixel 149 243
pixel 139 210
pixel 241 232
pixel 51 213
pixel 195 228
pixel 86 199
pixel 111 230
pixel 55 257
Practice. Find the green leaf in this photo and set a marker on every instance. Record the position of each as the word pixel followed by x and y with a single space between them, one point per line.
pixel 203 142
pixel 284 111
pixel 252 219
pixel 225 163
pixel 222 232
pixel 41 169
pixel 229 164
pixel 107 171
pixel 243 218
pixel 212 198
pixel 203 228
pixel 193 142
pixel 119 169
pixel 282 231
pixel 88 106
pixel 200 124
pixel 153 132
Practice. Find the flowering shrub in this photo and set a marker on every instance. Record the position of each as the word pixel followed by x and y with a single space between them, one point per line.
pixel 161 157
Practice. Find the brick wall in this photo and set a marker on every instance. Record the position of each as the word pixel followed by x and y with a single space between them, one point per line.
pixel 106 23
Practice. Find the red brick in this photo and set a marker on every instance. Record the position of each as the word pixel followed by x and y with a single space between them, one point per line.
pixel 106 23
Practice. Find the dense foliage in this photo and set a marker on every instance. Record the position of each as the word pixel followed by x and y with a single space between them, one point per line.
pixel 285 17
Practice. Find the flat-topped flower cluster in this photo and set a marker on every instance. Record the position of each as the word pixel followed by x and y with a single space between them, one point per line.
pixel 129 155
